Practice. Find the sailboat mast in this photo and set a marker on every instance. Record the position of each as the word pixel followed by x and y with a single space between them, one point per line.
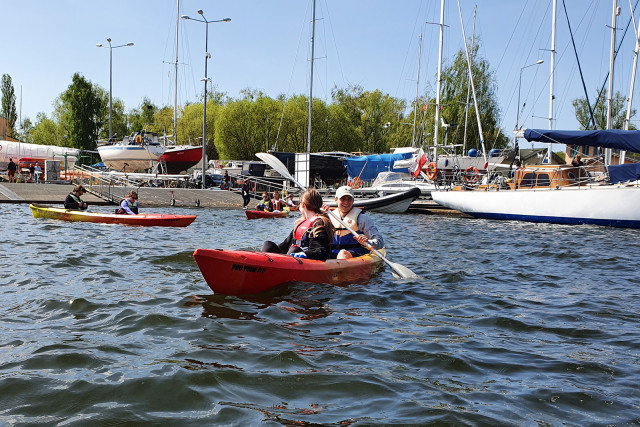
pixel 175 82
pixel 466 105
pixel 627 118
pixel 415 106
pixel 438 83
pixel 614 16
pixel 473 88
pixel 313 33
pixel 551 77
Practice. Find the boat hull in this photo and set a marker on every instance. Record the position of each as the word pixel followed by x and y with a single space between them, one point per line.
pixel 607 205
pixel 130 158
pixel 393 203
pixel 262 214
pixel 156 220
pixel 246 272
pixel 180 158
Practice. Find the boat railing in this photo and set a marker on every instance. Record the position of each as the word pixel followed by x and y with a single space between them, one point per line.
pixel 109 187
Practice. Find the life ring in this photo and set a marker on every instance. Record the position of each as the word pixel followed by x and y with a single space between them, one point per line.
pixel 138 139
pixel 472 174
pixel 432 171
pixel 356 182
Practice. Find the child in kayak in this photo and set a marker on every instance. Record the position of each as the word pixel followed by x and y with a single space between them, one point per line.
pixel 312 232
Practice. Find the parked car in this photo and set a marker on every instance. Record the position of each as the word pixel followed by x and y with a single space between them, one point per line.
pixel 212 180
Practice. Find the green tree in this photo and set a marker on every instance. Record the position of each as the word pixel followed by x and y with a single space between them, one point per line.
pixel 618 112
pixel 142 117
pixel 80 111
pixel 45 131
pixel 9 105
pixel 455 81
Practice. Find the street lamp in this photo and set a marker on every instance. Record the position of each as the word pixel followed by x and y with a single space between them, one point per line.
pixel 538 62
pixel 207 55
pixel 111 77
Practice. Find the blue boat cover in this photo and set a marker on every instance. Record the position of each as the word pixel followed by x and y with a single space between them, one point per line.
pixel 624 173
pixel 628 140
pixel 368 167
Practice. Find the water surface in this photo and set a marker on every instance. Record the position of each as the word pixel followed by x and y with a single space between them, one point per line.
pixel 509 324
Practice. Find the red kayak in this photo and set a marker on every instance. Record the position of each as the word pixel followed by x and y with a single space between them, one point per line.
pixel 247 272
pixel 157 220
pixel 263 214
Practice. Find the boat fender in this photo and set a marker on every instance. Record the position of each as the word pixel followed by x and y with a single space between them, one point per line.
pixel 432 171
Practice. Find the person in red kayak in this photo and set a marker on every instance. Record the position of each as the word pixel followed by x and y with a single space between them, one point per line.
pixel 277 203
pixel 265 204
pixel 311 234
pixel 345 244
pixel 129 205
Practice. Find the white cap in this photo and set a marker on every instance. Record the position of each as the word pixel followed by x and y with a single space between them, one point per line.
pixel 345 190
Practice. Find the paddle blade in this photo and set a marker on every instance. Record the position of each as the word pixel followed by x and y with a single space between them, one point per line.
pixel 278 166
pixel 399 271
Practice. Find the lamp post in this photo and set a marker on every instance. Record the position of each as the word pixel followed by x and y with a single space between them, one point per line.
pixel 207 55
pixel 111 78
pixel 538 62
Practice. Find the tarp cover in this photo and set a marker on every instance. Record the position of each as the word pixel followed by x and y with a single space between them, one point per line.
pixel 628 140
pixel 368 167
pixel 624 173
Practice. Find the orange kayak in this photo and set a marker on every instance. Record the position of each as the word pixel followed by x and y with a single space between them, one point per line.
pixel 246 272
pixel 262 214
pixel 157 220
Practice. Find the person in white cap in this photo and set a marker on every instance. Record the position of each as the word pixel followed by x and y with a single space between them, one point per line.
pixel 345 244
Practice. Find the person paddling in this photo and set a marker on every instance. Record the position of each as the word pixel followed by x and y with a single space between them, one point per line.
pixel 265 204
pixel 277 203
pixel 129 205
pixel 73 200
pixel 345 244
pixel 311 234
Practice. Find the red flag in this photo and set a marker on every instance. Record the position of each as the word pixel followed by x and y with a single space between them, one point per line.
pixel 421 163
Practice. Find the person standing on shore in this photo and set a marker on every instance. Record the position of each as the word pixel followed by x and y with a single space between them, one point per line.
pixel 73 200
pixel 246 198
pixel 38 173
pixel 32 171
pixel 11 171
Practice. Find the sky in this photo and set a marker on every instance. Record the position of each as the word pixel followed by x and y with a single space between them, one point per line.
pixel 266 47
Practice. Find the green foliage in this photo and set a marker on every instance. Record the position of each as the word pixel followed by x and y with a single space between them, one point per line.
pixel 618 112
pixel 80 111
pixel 453 98
pixel 8 109
pixel 46 132
pixel 142 117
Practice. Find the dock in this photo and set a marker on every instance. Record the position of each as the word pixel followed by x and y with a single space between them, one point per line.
pixel 54 194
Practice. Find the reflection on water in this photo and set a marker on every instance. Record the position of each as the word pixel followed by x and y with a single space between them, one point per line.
pixel 510 323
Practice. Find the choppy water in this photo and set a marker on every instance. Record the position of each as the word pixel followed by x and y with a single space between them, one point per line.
pixel 510 324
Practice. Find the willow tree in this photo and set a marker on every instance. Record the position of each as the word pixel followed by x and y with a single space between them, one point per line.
pixel 453 99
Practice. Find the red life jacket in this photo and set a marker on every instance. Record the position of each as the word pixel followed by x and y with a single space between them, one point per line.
pixel 302 227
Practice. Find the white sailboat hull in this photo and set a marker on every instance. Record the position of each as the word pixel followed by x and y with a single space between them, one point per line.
pixel 608 205
pixel 130 157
